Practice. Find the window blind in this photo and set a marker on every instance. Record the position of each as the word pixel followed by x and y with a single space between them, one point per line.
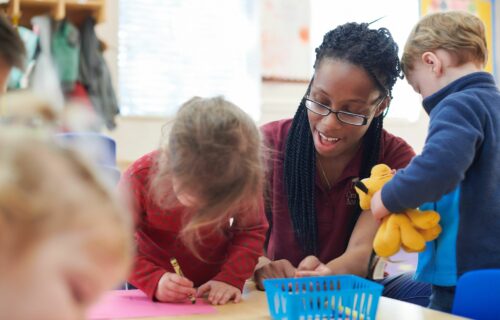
pixel 172 50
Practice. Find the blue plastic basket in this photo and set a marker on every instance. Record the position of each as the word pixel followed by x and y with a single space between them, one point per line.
pixel 330 297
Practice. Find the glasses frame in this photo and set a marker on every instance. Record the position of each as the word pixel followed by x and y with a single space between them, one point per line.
pixel 329 110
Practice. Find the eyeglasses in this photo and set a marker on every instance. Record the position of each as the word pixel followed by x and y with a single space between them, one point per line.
pixel 353 119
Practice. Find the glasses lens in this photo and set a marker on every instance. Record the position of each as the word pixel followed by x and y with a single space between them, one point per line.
pixel 316 108
pixel 351 119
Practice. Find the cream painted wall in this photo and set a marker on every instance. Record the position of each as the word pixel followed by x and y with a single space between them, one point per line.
pixel 138 135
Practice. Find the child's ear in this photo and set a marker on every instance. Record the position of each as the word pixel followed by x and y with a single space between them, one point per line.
pixel 433 62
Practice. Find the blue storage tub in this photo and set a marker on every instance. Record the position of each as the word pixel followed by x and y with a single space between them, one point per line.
pixel 100 148
pixel 329 297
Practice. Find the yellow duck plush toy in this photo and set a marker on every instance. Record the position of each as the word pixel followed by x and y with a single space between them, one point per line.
pixel 408 230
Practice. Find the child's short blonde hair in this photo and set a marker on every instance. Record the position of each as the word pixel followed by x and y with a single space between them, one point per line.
pixel 46 191
pixel 459 33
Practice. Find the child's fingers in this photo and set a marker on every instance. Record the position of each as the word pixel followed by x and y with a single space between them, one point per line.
pixel 237 296
pixel 219 293
pixel 215 296
pixel 228 294
pixel 179 284
pixel 172 286
pixel 181 281
pixel 166 294
pixel 204 288
pixel 212 294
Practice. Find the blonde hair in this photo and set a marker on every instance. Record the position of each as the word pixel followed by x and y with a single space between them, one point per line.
pixel 459 33
pixel 45 191
pixel 214 151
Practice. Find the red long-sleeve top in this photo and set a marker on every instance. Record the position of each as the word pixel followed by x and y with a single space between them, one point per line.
pixel 230 254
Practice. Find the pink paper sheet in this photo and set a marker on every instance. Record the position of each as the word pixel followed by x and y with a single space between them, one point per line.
pixel 120 304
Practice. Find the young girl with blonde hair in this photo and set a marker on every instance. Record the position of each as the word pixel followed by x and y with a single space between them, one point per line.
pixel 199 200
pixel 64 238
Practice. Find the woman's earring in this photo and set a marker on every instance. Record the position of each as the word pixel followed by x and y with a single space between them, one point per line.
pixel 388 104
pixel 385 112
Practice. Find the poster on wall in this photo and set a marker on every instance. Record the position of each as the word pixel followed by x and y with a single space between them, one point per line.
pixel 481 8
pixel 285 40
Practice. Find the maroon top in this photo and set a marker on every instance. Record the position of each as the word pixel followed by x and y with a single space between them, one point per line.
pixel 230 255
pixel 334 208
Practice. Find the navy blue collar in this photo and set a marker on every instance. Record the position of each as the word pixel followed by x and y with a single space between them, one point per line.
pixel 475 80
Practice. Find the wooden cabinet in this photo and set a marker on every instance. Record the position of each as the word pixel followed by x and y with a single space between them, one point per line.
pixel 75 11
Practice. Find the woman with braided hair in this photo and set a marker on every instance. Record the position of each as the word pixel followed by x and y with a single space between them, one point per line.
pixel 335 138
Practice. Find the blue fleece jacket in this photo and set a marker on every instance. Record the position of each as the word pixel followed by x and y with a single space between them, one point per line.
pixel 462 150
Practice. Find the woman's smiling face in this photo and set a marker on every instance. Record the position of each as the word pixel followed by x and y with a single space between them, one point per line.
pixel 342 86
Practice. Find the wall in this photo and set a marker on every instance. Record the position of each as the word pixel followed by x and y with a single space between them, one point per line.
pixel 138 135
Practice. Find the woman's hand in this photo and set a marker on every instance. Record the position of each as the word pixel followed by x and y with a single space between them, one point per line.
pixel 274 269
pixel 311 266
pixel 174 288
pixel 219 292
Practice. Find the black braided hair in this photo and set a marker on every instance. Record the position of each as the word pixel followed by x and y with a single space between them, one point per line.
pixel 375 51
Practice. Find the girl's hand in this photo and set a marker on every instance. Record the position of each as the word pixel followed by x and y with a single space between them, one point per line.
pixel 312 267
pixel 219 292
pixel 174 288
pixel 377 206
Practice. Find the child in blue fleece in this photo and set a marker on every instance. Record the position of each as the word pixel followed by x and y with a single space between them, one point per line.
pixel 458 171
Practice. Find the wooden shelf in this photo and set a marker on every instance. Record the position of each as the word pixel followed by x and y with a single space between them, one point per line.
pixel 43 3
pixel 75 11
pixel 90 4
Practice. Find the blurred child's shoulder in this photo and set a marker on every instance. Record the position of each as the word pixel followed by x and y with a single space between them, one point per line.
pixel 276 131
pixel 145 164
